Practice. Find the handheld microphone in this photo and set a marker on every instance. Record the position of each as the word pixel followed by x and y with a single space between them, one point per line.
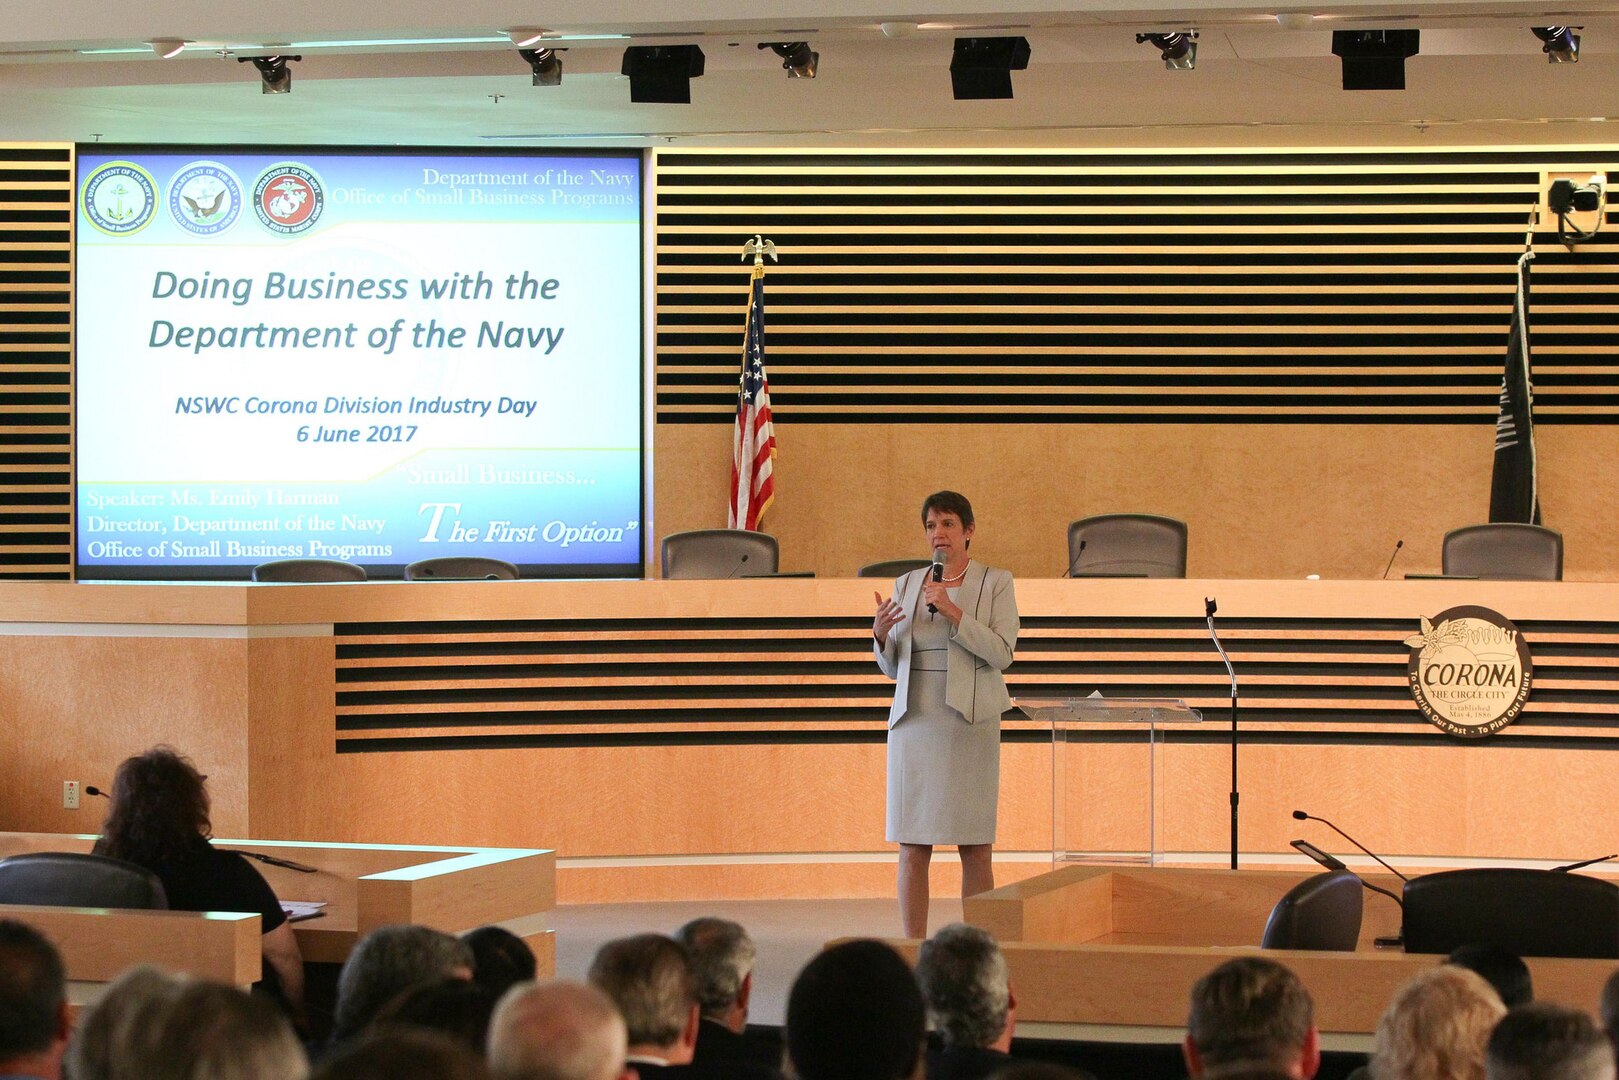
pixel 1079 554
pixel 91 789
pixel 938 575
pixel 1398 544
pixel 736 568
pixel 1300 815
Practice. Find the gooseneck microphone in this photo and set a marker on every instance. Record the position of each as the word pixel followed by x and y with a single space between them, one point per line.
pixel 739 564
pixel 271 860
pixel 1209 608
pixel 1578 865
pixel 91 789
pixel 937 574
pixel 1078 554
pixel 1300 815
pixel 1398 544
pixel 1331 863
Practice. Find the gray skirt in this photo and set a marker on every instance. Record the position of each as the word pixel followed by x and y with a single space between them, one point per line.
pixel 944 774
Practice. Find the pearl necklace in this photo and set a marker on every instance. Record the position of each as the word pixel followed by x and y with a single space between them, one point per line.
pixel 959 576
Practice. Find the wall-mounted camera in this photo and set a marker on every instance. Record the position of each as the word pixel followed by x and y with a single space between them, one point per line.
pixel 1582 194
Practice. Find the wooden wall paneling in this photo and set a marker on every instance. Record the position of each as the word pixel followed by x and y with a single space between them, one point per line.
pixel 1296 352
pixel 98 945
pixel 36 360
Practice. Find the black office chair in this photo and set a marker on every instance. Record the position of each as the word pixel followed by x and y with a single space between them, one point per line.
pixel 720 553
pixel 892 568
pixel 1504 552
pixel 308 571
pixel 1527 912
pixel 1322 912
pixel 70 879
pixel 1129 545
pixel 461 568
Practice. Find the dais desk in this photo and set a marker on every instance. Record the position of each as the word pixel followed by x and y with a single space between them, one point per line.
pixel 688 739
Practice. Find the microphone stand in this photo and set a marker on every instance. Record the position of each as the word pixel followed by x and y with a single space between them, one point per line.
pixel 1209 608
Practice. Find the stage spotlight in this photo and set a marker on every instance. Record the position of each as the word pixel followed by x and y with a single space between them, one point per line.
pixel 1179 50
pixel 546 64
pixel 1374 59
pixel 982 67
pixel 273 70
pixel 1561 43
pixel 796 57
pixel 662 73
pixel 167 48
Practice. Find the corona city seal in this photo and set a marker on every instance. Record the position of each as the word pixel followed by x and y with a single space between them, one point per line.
pixel 119 198
pixel 205 198
pixel 288 199
pixel 1470 671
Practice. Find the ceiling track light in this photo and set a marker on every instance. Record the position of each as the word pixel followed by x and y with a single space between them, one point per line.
pixel 981 68
pixel 526 39
pixel 273 70
pixel 797 58
pixel 1178 50
pixel 662 73
pixel 167 48
pixel 1560 43
pixel 1375 59
pixel 546 65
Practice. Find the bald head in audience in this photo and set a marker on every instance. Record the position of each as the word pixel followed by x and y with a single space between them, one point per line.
pixel 557 1031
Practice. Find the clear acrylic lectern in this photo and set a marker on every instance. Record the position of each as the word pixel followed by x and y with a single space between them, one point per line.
pixel 1078 820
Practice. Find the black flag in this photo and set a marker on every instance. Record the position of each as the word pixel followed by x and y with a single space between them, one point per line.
pixel 1512 483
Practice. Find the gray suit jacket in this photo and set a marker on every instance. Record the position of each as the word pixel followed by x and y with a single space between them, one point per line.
pixel 980 648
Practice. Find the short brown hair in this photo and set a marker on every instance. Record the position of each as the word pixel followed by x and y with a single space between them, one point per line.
pixel 948 502
pixel 649 978
pixel 1249 1009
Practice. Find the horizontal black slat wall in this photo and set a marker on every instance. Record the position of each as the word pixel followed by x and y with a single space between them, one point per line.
pixel 1108 287
pixel 706 681
pixel 36 361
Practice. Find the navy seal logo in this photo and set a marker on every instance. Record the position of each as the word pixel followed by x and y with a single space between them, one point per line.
pixel 119 198
pixel 288 199
pixel 205 198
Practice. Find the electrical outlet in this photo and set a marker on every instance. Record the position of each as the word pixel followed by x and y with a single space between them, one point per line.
pixel 70 794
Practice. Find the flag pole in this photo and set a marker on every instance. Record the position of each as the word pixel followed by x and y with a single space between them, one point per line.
pixel 1529 233
pixel 753 443
pixel 759 247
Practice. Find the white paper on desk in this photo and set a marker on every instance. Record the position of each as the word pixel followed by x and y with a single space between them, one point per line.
pixel 299 910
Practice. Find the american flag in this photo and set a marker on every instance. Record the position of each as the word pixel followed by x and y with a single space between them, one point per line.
pixel 753 444
pixel 1512 481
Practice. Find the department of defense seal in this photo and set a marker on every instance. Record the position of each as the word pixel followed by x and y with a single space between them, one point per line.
pixel 119 198
pixel 1470 671
pixel 205 198
pixel 288 198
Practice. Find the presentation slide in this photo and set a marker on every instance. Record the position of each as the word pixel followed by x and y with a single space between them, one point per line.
pixel 376 357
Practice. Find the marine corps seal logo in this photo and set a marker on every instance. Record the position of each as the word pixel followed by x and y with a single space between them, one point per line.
pixel 1470 671
pixel 288 199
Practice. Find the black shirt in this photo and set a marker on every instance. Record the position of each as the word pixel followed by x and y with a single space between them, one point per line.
pixel 206 879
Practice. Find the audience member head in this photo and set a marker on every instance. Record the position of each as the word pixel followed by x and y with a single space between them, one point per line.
pixel 117 1038
pixel 721 954
pixel 964 982
pixel 500 959
pixel 403 1054
pixel 1252 1011
pixel 209 1031
pixel 159 809
pixel 389 961
pixel 1436 1027
pixel 1502 969
pixel 557 1031
pixel 452 1007
pixel 855 1013
pixel 1608 1008
pixel 1548 1042
pixel 649 978
pixel 34 1020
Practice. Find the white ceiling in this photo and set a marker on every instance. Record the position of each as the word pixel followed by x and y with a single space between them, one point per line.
pixel 1480 78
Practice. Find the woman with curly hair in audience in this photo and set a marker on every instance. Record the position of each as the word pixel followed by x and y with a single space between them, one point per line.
pixel 159 820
